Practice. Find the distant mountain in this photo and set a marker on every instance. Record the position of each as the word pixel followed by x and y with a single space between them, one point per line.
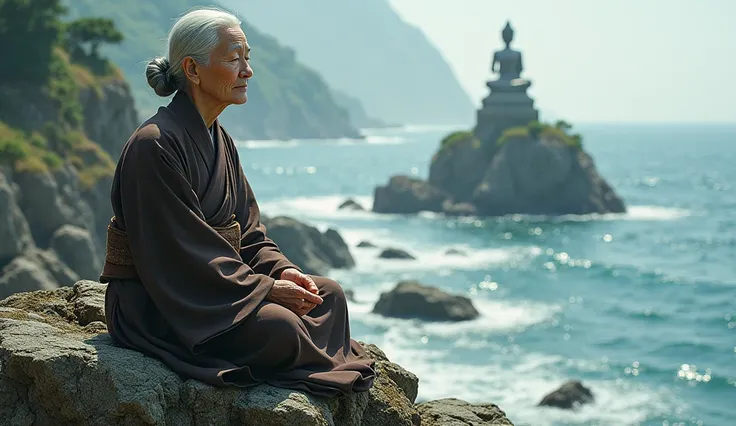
pixel 358 116
pixel 364 49
pixel 286 99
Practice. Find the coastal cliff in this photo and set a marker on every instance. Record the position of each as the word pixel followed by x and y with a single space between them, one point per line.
pixel 286 98
pixel 63 122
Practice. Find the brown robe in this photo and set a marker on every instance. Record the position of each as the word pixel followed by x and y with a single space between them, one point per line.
pixel 196 302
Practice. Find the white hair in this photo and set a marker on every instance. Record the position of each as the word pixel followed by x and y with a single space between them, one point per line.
pixel 195 34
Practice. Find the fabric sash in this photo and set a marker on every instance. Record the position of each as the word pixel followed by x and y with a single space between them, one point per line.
pixel 119 260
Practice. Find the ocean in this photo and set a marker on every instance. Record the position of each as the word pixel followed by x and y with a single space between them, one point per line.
pixel 639 306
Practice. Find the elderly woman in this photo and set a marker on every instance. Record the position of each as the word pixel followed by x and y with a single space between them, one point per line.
pixel 193 278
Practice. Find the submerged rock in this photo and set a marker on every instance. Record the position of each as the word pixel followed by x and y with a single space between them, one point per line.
pixel 350 204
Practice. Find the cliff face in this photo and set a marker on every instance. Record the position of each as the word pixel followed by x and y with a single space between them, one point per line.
pixel 54 213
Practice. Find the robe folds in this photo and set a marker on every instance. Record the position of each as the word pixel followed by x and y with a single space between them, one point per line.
pixel 197 302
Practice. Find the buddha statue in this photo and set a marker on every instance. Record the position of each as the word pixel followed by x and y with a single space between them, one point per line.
pixel 508 64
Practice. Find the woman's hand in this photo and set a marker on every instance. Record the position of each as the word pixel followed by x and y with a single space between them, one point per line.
pixel 293 297
pixel 301 279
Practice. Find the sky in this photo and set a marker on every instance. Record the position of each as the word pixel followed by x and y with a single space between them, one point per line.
pixel 596 61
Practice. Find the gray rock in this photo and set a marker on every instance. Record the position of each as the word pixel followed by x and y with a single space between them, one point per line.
pixel 15 234
pixel 455 412
pixel 407 195
pixel 49 260
pixel 35 269
pixel 88 301
pixel 349 294
pixel 366 244
pixel 314 252
pixel 545 177
pixel 394 253
pixel 25 274
pixel 458 166
pixel 410 299
pixel 350 204
pixel 76 248
pixel 455 252
pixel 110 115
pixel 48 206
pixel 55 372
pixel 570 395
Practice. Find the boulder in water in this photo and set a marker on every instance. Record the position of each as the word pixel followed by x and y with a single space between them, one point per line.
pixel 570 395
pixel 410 299
pixel 394 253
pixel 350 204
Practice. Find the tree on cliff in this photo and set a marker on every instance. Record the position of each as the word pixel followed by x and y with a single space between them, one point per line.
pixel 29 30
pixel 92 32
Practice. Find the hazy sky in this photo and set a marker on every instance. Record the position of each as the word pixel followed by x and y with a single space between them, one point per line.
pixel 591 60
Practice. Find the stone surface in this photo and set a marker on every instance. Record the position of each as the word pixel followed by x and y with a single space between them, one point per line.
pixel 405 195
pixel 350 204
pixel 410 299
pixel 545 177
pixel 56 372
pixel 35 269
pixel 570 395
pixel 15 234
pixel 394 253
pixel 76 248
pixel 455 412
pixel 313 251
pixel 110 115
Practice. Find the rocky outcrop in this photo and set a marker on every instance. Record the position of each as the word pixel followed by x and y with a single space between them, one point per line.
pixel 35 269
pixel 455 412
pixel 15 234
pixel 313 251
pixel 570 395
pixel 60 367
pixel 543 176
pixel 110 116
pixel 406 195
pixel 540 174
pixel 410 299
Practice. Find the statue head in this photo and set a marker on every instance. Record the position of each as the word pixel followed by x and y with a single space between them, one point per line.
pixel 507 33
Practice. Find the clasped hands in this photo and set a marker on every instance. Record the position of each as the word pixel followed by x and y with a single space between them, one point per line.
pixel 295 291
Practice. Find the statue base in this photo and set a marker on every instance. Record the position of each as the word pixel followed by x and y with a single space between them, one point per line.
pixel 508 105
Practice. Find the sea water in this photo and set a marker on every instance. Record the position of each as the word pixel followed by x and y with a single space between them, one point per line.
pixel 639 306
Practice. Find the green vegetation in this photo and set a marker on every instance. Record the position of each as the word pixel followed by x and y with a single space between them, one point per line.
pixel 455 138
pixel 40 106
pixel 559 131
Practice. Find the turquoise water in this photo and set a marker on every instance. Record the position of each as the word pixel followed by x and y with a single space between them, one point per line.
pixel 640 306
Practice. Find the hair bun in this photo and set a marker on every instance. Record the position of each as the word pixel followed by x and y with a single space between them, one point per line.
pixel 159 77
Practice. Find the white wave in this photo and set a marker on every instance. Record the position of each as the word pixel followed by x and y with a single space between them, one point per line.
pixel 322 207
pixel 655 213
pixel 495 316
pixel 436 258
pixel 518 383
pixel 270 143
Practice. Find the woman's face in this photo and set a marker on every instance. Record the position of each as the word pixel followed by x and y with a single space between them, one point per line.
pixel 225 79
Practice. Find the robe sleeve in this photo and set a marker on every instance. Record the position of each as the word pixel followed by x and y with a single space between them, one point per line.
pixel 196 279
pixel 256 248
